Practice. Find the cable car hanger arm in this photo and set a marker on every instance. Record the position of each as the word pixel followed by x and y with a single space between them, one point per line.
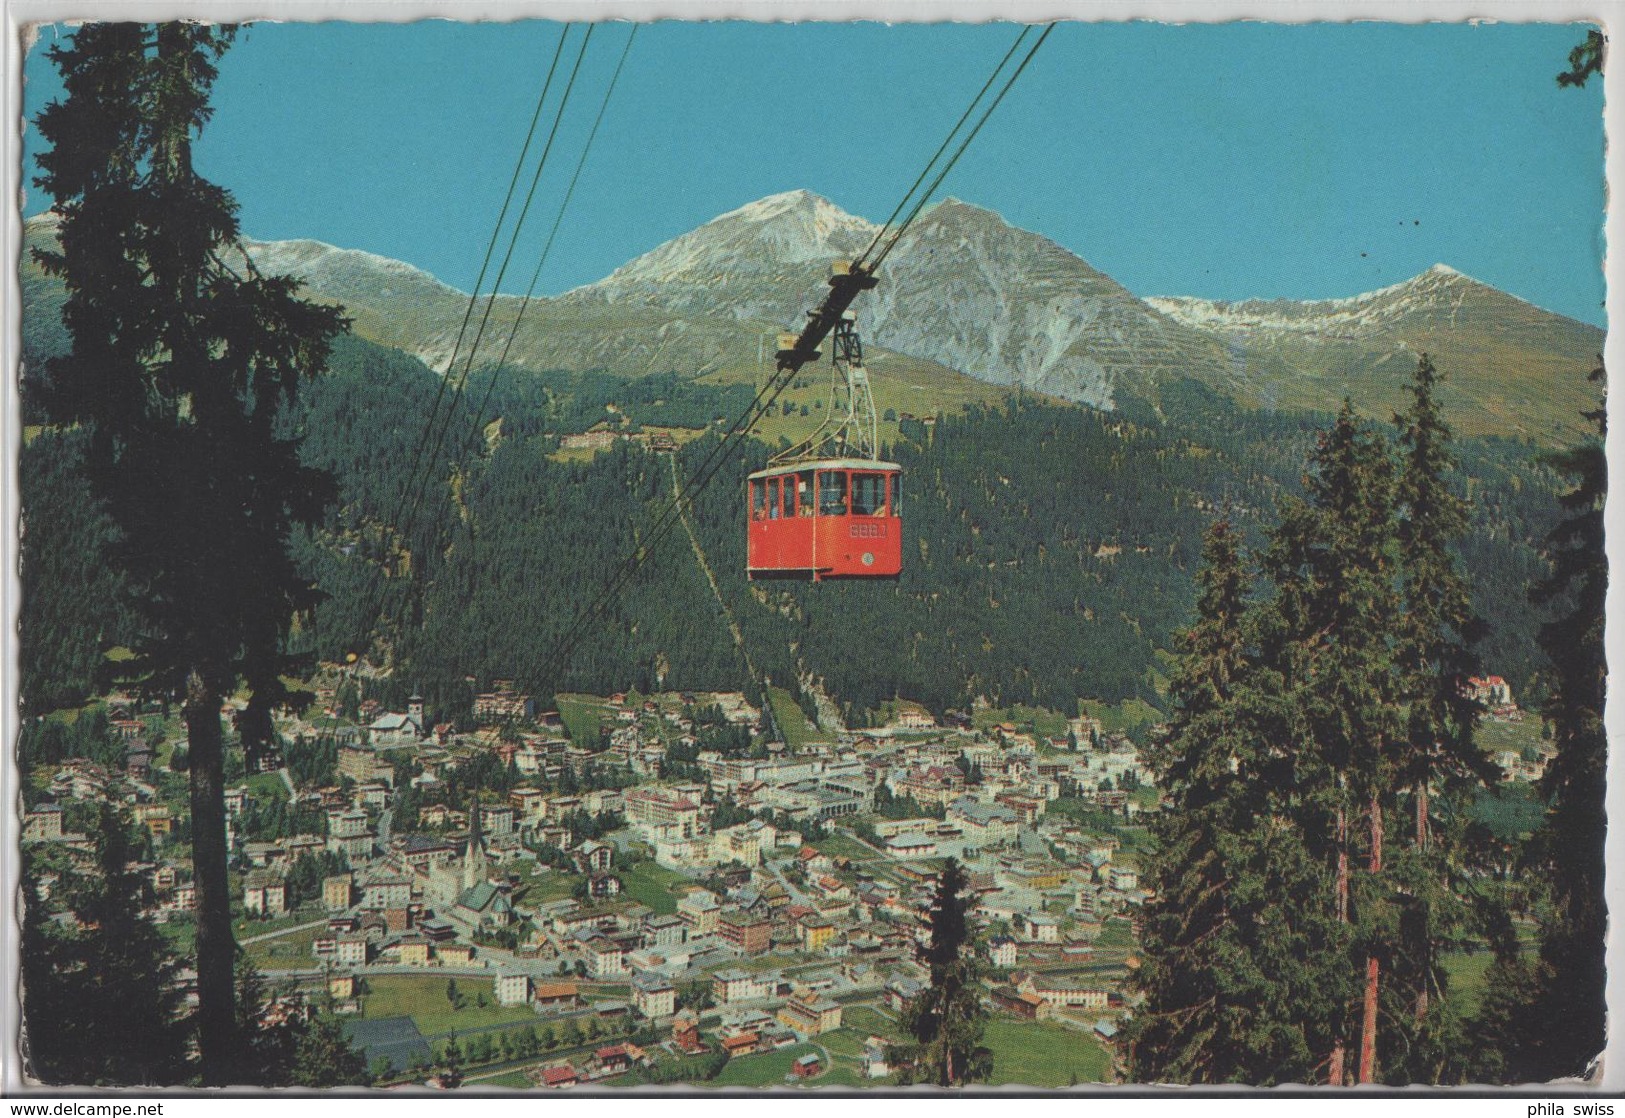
pixel 844 287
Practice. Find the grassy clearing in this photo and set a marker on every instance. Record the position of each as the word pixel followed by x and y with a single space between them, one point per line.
pixel 266 786
pixel 655 886
pixel 1044 722
pixel 866 1019
pixel 1116 932
pixel 244 928
pixel 844 846
pixel 1494 736
pixel 538 888
pixel 507 1079
pixel 580 714
pixel 285 952
pixel 1466 973
pixel 181 934
pixel 843 1042
pixel 901 384
pixel 1128 717
pixel 765 1069
pixel 792 720
pixel 424 1000
pixel 1040 1054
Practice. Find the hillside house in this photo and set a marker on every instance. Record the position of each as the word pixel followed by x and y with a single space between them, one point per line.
pixel 1061 991
pixel 392 731
pixel 733 985
pixel 556 995
pixel 613 1059
pixel 338 891
pixel 746 933
pixel 43 824
pixel 559 1077
pixel 413 951
pixel 741 1043
pixel 454 953
pixel 654 996
pixel 265 894
pixel 512 988
pixel 685 1033
pixel 808 1014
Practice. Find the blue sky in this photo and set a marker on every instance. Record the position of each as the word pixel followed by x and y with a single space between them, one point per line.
pixel 1225 161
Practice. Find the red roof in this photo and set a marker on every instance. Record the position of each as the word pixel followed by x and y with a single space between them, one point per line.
pixel 614 1051
pixel 555 1077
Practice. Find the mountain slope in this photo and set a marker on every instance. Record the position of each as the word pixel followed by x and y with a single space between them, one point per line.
pixel 397 305
pixel 1008 306
pixel 968 291
pixel 1511 368
pixel 963 289
pixel 969 306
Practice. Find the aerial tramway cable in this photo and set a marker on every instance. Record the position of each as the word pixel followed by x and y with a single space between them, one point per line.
pixel 375 599
pixel 547 248
pixel 479 282
pixel 936 182
pixel 421 482
pixel 375 604
pixel 844 289
pixel 946 140
pixel 513 242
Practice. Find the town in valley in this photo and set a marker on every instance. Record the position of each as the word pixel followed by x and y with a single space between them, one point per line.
pixel 630 883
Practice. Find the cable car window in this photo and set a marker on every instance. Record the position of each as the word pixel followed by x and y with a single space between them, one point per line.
pixel 831 493
pixel 897 494
pixel 758 500
pixel 868 494
pixel 803 497
pixel 772 498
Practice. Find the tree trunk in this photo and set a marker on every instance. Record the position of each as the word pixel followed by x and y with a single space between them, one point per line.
pixel 1423 838
pixel 216 950
pixel 1334 1069
pixel 1373 968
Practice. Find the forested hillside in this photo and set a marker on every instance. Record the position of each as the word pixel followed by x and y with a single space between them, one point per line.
pixel 1049 550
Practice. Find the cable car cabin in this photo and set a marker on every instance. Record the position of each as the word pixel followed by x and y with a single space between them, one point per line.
pixel 835 518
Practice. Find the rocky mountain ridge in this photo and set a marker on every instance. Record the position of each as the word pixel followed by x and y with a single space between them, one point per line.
pixel 966 292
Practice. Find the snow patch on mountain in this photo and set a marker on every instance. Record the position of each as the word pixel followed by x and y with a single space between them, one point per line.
pixel 1439 289
pixel 759 239
pixel 331 270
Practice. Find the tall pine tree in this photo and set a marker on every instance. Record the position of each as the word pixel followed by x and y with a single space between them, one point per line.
pixel 1334 561
pixel 181 357
pixel 944 1021
pixel 1568 1027
pixel 1570 1013
pixel 1440 765
pixel 1236 936
pixel 100 997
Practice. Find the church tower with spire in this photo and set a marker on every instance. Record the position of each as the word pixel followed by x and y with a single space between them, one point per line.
pixel 474 864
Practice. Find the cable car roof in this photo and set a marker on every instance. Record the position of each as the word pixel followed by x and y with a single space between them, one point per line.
pixel 828 464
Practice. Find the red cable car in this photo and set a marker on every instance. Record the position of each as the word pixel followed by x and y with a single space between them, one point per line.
pixel 826 518
pixel 829 507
